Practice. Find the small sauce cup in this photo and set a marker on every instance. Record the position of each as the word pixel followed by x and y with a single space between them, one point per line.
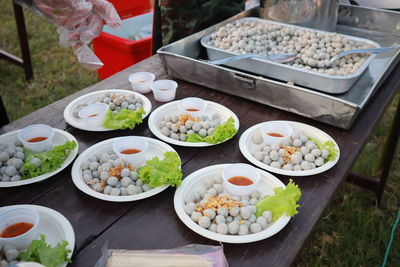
pixel 94 114
pixel 164 90
pixel 244 172
pixel 131 149
pixel 17 216
pixel 275 132
pixel 37 137
pixel 193 105
pixel 141 81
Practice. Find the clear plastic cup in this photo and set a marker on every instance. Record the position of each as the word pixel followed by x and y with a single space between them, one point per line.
pixel 193 105
pixel 32 137
pixel 240 169
pixel 141 81
pixel 19 215
pixel 164 90
pixel 275 132
pixel 94 114
pixel 131 143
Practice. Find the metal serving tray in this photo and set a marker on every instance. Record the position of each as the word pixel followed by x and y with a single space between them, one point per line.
pixel 183 60
pixel 312 79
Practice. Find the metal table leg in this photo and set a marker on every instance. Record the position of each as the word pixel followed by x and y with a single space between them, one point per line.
pixel 378 186
pixel 25 62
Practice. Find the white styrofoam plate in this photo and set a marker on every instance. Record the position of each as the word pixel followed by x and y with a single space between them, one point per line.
pixel 246 144
pixel 93 98
pixel 195 179
pixel 60 137
pixel 172 109
pixel 53 225
pixel 156 148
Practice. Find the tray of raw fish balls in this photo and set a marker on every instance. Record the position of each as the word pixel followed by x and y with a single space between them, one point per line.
pixel 235 203
pixel 314 49
pixel 289 148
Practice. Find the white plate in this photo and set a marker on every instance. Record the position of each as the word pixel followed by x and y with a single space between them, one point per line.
pixel 172 108
pixel 156 148
pixel 94 97
pixel 53 225
pixel 245 145
pixel 60 137
pixel 267 183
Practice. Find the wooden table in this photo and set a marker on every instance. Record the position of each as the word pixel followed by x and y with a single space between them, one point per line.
pixel 152 223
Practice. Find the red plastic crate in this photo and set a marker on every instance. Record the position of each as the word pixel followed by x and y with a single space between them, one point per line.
pixel 118 53
pixel 131 8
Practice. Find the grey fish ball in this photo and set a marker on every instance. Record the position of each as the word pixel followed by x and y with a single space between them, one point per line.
pixel 146 187
pixel 309 157
pixel 195 216
pixel 255 228
pixel 210 213
pixel 219 219
pixel 245 213
pixel 112 181
pixel 126 181
pixel 165 131
pixel 267 215
pixel 222 228
pixel 243 229
pixel 275 147
pixel 11 171
pixel 4 156
pixel 222 211
pixel 190 207
pixel 257 138
pixel 325 154
pixel 204 221
pixel 319 161
pixel 233 228
pixel 262 221
pixel 107 189
pixel 274 155
pixel 275 164
pixel 234 211
pixel 316 152
pixel 115 192
pixel 213 227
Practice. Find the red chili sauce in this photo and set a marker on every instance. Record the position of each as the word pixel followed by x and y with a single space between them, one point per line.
pixel 130 151
pixel 240 180
pixel 36 139
pixel 275 134
pixel 16 229
pixel 192 109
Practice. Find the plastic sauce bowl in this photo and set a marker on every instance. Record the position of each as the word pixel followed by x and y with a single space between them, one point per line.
pixel 141 81
pixel 270 128
pixel 193 105
pixel 20 215
pixel 94 114
pixel 164 90
pixel 131 142
pixel 37 130
pixel 240 169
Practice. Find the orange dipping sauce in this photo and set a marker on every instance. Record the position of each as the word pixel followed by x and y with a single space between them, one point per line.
pixel 16 229
pixel 36 139
pixel 93 115
pixel 164 89
pixel 240 180
pixel 275 134
pixel 130 151
pixel 192 109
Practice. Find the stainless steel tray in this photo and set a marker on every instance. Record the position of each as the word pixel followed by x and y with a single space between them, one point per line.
pixel 312 79
pixel 182 60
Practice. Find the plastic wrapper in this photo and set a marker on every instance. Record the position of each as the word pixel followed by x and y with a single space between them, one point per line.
pixel 191 255
pixel 78 23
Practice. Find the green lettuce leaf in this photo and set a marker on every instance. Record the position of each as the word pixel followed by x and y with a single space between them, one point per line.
pixel 284 201
pixel 328 145
pixel 124 119
pixel 50 160
pixel 158 172
pixel 221 133
pixel 39 251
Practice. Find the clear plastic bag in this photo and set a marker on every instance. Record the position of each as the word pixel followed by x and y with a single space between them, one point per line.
pixel 191 255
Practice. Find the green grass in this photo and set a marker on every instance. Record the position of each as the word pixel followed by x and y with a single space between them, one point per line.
pixel 56 71
pixel 353 230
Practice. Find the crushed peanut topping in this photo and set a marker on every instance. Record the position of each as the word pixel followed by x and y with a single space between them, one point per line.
pixel 223 201
pixel 289 152
pixel 116 171
pixel 200 209
pixel 242 221
pixel 185 117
